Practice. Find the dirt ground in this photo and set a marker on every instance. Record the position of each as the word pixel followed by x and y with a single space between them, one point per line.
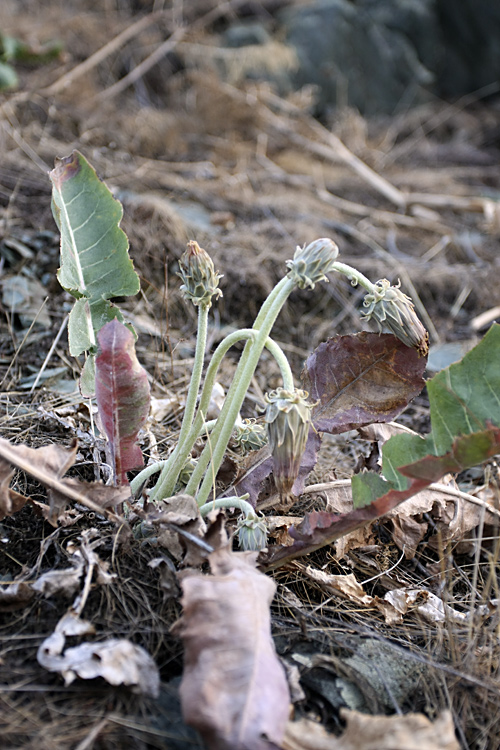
pixel 196 151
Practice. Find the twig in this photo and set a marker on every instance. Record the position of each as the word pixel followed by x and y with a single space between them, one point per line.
pixel 140 70
pixel 167 46
pixel 91 62
pixel 50 353
pixel 331 148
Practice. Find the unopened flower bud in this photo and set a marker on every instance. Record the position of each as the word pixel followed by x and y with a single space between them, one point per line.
pixel 249 435
pixel 199 276
pixel 392 309
pixel 252 532
pixel 288 418
pixel 312 262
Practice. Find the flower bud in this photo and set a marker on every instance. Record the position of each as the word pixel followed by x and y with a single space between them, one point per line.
pixel 312 262
pixel 252 532
pixel 249 435
pixel 198 274
pixel 288 418
pixel 392 309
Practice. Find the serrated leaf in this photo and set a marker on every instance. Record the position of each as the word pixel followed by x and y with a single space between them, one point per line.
pixel 95 265
pixel 360 379
pixel 122 394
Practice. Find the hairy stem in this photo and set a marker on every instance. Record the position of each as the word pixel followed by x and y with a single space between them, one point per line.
pixel 217 445
pixel 227 502
pixel 355 276
pixel 194 387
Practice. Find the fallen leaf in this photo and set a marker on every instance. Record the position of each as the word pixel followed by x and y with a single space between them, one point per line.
pixel 233 690
pixel 47 465
pixel 432 608
pixel 365 732
pixel 15 595
pixel 181 511
pixel 64 582
pixel 118 661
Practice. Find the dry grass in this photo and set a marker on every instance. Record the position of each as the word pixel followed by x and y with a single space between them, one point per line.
pixel 191 158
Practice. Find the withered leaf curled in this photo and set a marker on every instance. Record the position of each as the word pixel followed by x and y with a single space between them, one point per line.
pixel 234 690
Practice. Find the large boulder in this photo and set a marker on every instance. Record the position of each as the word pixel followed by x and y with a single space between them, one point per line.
pixel 374 55
pixel 471 42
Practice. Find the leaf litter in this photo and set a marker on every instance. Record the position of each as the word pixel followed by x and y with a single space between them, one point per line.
pixel 450 545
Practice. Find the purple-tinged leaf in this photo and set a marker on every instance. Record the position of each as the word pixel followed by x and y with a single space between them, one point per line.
pixel 258 468
pixel 376 496
pixel 122 393
pixel 360 379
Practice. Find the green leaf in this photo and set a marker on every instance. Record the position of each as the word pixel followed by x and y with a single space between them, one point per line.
pixel 465 416
pixel 95 265
pixel 8 77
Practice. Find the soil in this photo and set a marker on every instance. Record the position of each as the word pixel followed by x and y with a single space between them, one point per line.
pixel 196 152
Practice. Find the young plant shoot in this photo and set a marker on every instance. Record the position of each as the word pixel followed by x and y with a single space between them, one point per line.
pixel 95 268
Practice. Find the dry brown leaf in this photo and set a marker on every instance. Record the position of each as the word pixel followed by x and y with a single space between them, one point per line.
pixel 349 587
pixel 118 661
pixel 64 582
pixel 432 608
pixel 167 574
pixel 234 690
pixel 15 595
pixel 48 464
pixel 182 511
pixel 365 732
pixel 453 515
pixel 380 433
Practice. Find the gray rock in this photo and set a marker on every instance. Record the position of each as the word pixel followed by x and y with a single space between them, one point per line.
pixel 471 42
pixel 365 55
pixel 243 34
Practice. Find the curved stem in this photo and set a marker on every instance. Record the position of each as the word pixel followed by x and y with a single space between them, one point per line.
pixel 189 409
pixel 286 371
pixel 143 476
pixel 216 447
pixel 166 482
pixel 355 276
pixel 227 502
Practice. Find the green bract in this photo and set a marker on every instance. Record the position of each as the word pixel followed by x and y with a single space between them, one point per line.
pixel 252 532
pixel 199 276
pixel 288 418
pixel 311 263
pixel 391 308
pixel 250 435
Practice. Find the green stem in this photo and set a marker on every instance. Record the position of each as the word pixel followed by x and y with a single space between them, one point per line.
pixel 143 476
pixel 190 407
pixel 166 482
pixel 355 276
pixel 227 502
pixel 284 365
pixel 194 385
pixel 173 466
pixel 219 438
